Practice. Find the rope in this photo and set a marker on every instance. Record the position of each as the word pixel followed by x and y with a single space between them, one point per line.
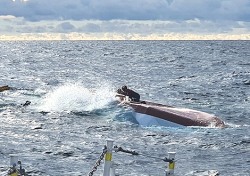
pixel 120 149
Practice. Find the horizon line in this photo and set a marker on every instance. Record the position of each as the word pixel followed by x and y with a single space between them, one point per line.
pixel 120 36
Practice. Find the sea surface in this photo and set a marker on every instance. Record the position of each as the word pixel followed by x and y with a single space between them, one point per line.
pixel 73 111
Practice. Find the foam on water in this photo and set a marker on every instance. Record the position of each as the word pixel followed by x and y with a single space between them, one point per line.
pixel 76 97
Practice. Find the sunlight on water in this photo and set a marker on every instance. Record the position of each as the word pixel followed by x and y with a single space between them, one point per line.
pixel 75 97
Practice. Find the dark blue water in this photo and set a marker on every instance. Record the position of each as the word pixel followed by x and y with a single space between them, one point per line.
pixel 71 87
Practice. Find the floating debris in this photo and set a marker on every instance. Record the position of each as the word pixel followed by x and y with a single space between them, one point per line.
pixel 3 88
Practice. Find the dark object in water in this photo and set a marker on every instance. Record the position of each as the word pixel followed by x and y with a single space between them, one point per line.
pixel 247 82
pixel 3 88
pixel 27 103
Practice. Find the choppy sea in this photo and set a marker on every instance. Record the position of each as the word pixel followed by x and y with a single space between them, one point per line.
pixel 71 87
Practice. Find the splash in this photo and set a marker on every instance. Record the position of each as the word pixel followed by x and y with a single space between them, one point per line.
pixel 75 97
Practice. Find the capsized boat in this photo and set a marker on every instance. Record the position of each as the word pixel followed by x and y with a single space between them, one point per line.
pixel 153 114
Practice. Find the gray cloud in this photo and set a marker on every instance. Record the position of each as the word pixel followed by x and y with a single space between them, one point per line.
pixel 124 18
pixel 91 27
pixel 65 27
pixel 37 10
pixel 125 26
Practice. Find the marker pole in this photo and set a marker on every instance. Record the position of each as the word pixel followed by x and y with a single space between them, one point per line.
pixel 108 158
pixel 171 165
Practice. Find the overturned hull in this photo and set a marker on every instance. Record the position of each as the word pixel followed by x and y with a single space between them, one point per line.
pixel 149 114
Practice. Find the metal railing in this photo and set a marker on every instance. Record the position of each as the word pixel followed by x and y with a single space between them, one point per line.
pixel 109 169
pixel 16 169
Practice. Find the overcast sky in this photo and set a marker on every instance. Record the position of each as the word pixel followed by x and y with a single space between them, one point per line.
pixel 127 19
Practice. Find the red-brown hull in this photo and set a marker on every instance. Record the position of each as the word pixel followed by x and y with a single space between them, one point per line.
pixel 180 116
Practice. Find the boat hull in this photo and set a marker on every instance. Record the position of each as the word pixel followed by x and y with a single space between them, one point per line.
pixel 148 120
pixel 150 114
